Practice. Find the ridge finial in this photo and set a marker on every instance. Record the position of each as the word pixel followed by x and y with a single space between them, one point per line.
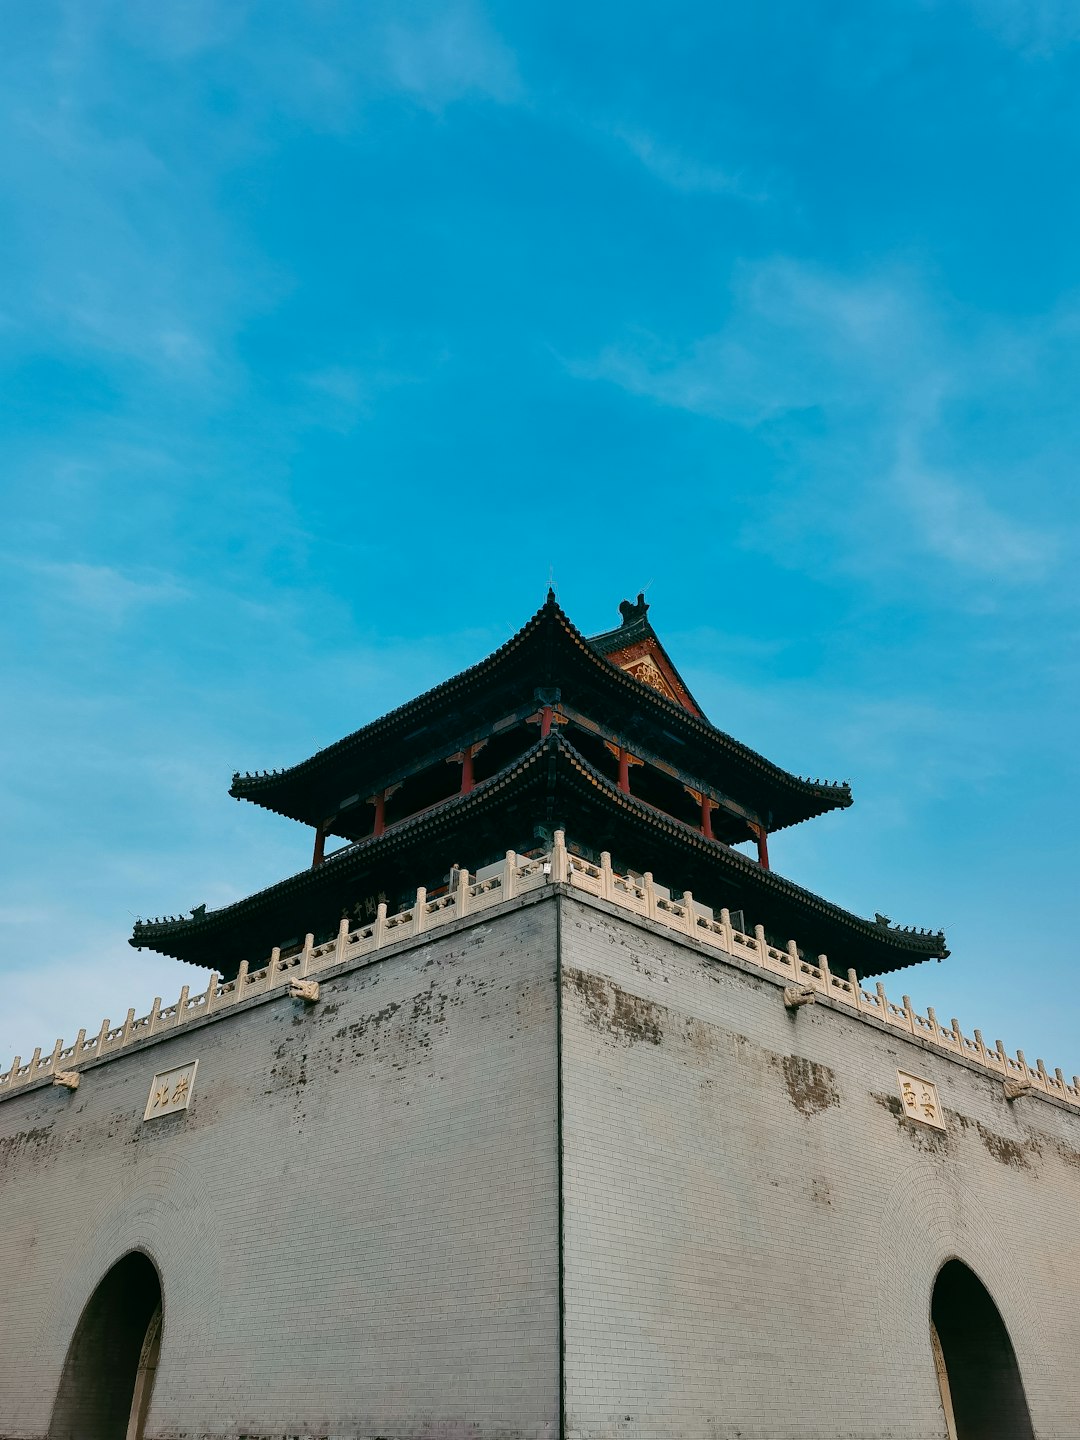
pixel 631 612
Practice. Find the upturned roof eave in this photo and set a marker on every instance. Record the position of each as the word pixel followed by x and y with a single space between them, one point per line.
pixel 257 788
pixel 926 945
pixel 902 947
pixel 266 789
pixel 393 836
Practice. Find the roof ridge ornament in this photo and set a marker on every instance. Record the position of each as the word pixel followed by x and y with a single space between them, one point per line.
pixel 632 613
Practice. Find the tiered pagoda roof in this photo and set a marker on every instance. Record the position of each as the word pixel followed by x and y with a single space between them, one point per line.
pixel 599 737
pixel 547 656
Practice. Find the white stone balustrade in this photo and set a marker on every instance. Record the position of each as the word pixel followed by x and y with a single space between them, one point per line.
pixel 519 875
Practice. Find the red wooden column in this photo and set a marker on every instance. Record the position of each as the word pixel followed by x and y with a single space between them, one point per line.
pixel 761 835
pixel 708 805
pixel 319 853
pixel 625 759
pixel 546 717
pixel 379 800
pixel 464 758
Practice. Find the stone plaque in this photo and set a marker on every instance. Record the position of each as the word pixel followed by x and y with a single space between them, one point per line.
pixel 920 1100
pixel 171 1090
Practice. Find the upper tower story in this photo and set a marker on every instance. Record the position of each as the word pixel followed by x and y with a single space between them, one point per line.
pixel 600 737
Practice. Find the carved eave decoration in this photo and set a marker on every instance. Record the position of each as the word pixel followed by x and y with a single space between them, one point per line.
pixel 635 648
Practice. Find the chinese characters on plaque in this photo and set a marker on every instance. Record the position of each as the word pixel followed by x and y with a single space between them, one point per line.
pixel 920 1100
pixel 171 1091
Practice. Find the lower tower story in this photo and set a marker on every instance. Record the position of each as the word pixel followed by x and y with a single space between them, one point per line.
pixel 548 1167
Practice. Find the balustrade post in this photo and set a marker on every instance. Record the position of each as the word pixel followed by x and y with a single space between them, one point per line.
pixel 606 884
pixel 689 917
pixel 462 895
pixel 181 1006
pixel 380 925
pixel 155 1011
pixel 883 1004
pixel 559 859
pixel 650 894
pixel 826 973
pixel 509 884
pixel 856 987
pixel 342 939
pixel 727 935
pixel 420 910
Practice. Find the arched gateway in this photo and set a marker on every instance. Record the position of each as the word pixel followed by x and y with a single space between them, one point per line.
pixel 109 1371
pixel 982 1393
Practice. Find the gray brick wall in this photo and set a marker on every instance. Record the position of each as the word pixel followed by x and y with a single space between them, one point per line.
pixel 356 1223
pixel 752 1232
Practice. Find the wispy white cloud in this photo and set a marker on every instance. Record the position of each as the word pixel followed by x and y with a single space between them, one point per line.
pixel 185 28
pixel 123 248
pixel 446 55
pixel 101 591
pixel 680 171
pixel 1036 28
pixel 795 338
pixel 960 526
pixel 888 373
pixel 341 396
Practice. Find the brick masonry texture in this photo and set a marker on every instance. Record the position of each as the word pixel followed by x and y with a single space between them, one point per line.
pixel 355 1224
pixel 751 1228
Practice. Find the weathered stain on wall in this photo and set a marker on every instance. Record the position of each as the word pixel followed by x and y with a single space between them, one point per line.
pixel 24 1146
pixel 1021 1154
pixel 811 1086
pixel 632 1018
pixel 624 1015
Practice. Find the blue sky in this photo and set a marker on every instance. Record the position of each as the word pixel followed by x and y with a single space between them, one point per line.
pixel 330 330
